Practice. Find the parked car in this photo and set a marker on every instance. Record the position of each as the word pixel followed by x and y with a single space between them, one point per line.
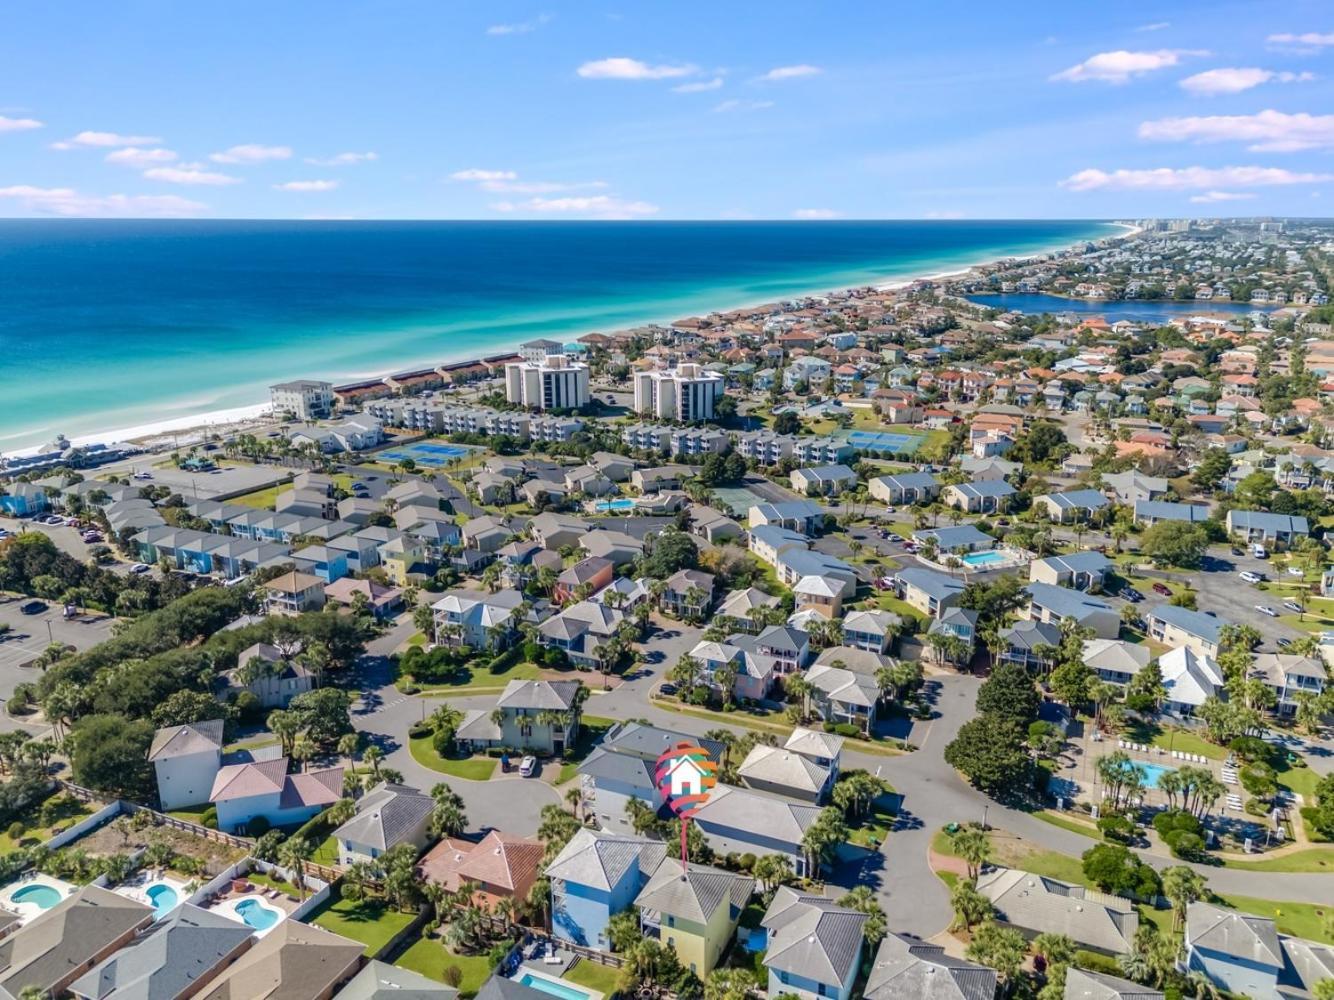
pixel 1238 551
pixel 1295 571
pixel 1283 643
pixel 528 766
pixel 1163 589
pixel 668 688
pixel 32 607
pixel 1259 552
pixel 1250 577
pixel 1293 606
pixel 1132 595
pixel 1265 609
pixel 138 568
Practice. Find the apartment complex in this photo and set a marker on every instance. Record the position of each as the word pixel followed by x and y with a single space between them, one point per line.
pixel 686 393
pixel 554 383
pixel 306 399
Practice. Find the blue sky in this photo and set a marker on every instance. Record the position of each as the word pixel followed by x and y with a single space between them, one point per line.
pixel 718 110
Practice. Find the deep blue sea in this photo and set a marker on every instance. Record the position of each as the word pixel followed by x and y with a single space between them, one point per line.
pixel 107 325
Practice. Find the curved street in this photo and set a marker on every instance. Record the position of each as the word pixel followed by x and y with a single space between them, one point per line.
pixel 931 794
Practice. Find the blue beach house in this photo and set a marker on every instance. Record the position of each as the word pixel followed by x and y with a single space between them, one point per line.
pixel 23 500
pixel 596 876
pixel 328 564
pixel 813 948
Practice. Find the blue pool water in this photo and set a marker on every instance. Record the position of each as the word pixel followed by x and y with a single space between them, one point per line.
pixel 556 989
pixel 256 914
pixel 1152 772
pixel 988 558
pixel 623 504
pixel 43 896
pixel 163 897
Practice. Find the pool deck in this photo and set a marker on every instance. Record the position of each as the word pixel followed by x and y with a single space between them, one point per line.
pixel 552 974
pixel 30 911
pixel 136 888
pixel 225 903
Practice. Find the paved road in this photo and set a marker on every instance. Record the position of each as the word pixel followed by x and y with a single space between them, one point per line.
pixel 931 793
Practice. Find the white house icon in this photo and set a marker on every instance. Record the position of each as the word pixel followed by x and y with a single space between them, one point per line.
pixel 687 777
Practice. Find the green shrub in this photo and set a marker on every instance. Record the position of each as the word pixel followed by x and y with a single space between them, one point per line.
pixel 1256 807
pixel 1188 846
pixel 256 827
pixel 419 729
pixel 1116 827
pixel 1250 748
pixel 1094 962
pixel 210 818
pixel 16 829
pixel 847 729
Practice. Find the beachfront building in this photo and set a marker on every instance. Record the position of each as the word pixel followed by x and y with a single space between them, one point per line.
pixel 306 399
pixel 686 393
pixel 554 383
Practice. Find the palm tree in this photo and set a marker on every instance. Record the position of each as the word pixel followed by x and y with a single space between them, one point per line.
pixel 1182 886
pixel 292 856
pixel 799 687
pixel 342 811
pixel 372 755
pixel 974 847
pixel 348 745
pixel 304 750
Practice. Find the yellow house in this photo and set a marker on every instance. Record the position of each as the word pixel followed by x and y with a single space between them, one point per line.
pixel 694 911
pixel 398 556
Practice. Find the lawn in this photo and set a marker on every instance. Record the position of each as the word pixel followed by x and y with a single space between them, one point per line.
pixel 327 852
pixel 469 681
pixel 468 768
pixel 765 722
pixel 431 958
pixel 40 834
pixel 371 922
pixel 594 976
pixel 873 830
pixel 266 498
pixel 259 878
pixel 1301 780
pixel 1315 859
pixel 192 814
pixel 1173 738
pixel 1065 823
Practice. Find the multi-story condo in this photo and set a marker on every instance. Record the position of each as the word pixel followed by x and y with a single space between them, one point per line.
pixel 647 437
pixel 765 447
pixel 686 393
pixel 306 399
pixel 537 351
pixel 555 383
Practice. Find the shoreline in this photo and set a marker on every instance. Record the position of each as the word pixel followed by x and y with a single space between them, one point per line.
pixel 192 428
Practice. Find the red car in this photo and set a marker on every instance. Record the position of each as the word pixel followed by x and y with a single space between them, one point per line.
pixel 1162 588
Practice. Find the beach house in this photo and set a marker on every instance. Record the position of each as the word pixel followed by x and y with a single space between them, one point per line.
pixel 813 947
pixel 264 790
pixel 693 910
pixel 387 815
pixel 596 876
pixel 185 761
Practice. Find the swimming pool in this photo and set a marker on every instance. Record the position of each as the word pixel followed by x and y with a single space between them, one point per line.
pixel 621 504
pixel 256 914
pixel 163 897
pixel 988 558
pixel 41 896
pixel 554 987
pixel 1153 772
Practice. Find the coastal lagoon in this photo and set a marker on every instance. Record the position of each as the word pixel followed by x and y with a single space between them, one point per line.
pixel 1132 310
pixel 108 324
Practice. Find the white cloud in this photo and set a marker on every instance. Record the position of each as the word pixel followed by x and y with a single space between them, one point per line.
pixel 140 159
pixel 1213 197
pixel 816 213
pixel 593 206
pixel 1233 80
pixel 105 139
pixel 1268 131
pixel 1188 178
pixel 343 159
pixel 1155 26
pixel 538 187
pixel 699 86
pixel 1309 41
pixel 183 175
pixel 252 153
pixel 18 124
pixel 306 186
pixel 622 68
pixel 736 104
pixel 790 73
pixel 68 202
pixel 1120 66
pixel 520 27
pixel 477 174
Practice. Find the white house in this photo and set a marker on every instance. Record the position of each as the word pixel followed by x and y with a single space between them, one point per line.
pixel 387 815
pixel 244 792
pixel 186 760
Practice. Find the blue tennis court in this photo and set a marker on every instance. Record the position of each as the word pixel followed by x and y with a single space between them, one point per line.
pixel 885 442
pixel 431 454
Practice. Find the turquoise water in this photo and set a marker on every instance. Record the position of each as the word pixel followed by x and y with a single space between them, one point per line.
pixel 1153 772
pixel 623 504
pixel 983 558
pixel 163 897
pixel 43 896
pixel 114 324
pixel 1134 310
pixel 256 914
pixel 560 990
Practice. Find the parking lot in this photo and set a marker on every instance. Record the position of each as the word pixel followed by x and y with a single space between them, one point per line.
pixel 29 635
pixel 228 479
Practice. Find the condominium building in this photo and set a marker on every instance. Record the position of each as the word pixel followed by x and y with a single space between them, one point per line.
pixel 555 383
pixel 307 399
pixel 686 393
pixel 537 351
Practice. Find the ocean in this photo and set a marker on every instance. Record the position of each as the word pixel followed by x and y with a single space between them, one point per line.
pixel 108 325
pixel 1133 310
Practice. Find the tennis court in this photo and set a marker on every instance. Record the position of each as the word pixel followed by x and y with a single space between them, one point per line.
pixel 431 454
pixel 737 500
pixel 885 442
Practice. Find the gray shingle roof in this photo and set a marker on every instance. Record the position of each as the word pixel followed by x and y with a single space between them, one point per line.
pixel 380 981
pixel 183 949
pixel 695 892
pixel 906 966
pixel 386 816
pixel 1081 985
pixel 600 860
pixel 1244 937
pixel 1047 905
pixel 178 741
pixel 810 936
pixel 542 695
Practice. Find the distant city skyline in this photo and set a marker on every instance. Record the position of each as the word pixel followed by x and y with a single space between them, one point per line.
pixel 783 110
